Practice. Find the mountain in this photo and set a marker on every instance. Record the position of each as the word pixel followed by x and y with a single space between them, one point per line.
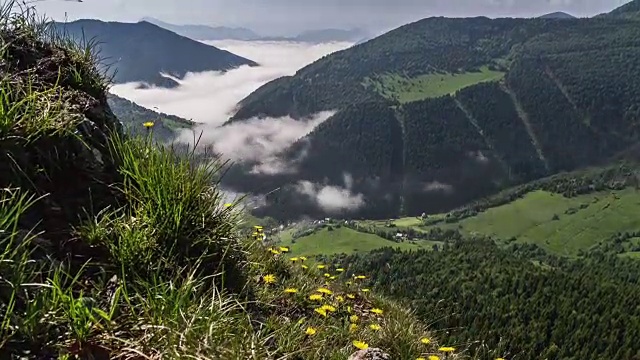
pixel 557 15
pixel 442 111
pixel 630 10
pixel 141 51
pixel 133 116
pixel 204 32
pixel 323 36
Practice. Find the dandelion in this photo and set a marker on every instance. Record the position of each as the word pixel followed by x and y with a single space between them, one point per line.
pixel 349 309
pixel 284 249
pixel 328 308
pixel 294 259
pixel 375 327
pixel 274 251
pixel 321 311
pixel 353 327
pixel 327 275
pixel 365 290
pixel 340 298
pixel 228 205
pixel 360 344
pixel 360 277
pixel 434 357
pixel 351 296
pixel 340 270
pixel 332 278
pixel 353 318
pixel 376 311
pixel 303 258
pixel 320 266
pixel 310 331
pixel 447 349
pixel 315 297
pixel 425 341
pixel 499 358
pixel 148 124
pixel 269 278
pixel 324 291
pixel 305 267
pixel 290 290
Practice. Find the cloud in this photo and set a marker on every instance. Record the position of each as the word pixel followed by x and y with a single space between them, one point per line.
pixel 210 98
pixel 332 199
pixel 437 186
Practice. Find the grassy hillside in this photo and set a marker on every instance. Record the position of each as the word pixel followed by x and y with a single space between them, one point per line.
pixel 111 247
pixel 561 96
pixel 134 116
pixel 140 51
pixel 399 88
pixel 345 241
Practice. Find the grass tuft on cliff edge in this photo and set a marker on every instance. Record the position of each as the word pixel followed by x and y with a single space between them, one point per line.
pixel 112 247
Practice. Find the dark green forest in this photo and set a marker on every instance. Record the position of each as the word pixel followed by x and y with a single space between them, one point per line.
pixel 519 302
pixel 569 99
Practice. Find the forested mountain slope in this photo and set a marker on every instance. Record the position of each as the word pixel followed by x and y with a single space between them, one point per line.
pixel 141 51
pixel 476 105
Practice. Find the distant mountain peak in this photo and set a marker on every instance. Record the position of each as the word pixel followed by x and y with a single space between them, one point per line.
pixel 628 10
pixel 557 15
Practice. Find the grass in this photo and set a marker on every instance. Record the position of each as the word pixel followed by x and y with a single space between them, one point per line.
pixel 433 85
pixel 345 240
pixel 561 225
pixel 154 265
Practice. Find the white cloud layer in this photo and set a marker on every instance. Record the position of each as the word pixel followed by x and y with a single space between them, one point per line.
pixel 332 199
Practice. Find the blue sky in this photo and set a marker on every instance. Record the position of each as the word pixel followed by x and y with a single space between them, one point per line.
pixel 286 16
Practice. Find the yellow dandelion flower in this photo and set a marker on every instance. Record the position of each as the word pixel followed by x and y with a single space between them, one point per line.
pixel 310 331
pixel 340 298
pixel 351 296
pixel 269 278
pixel 324 291
pixel 321 311
pixel 327 275
pixel 274 251
pixel 447 349
pixel 303 258
pixel 499 358
pixel 421 358
pixel 425 340
pixel 257 227
pixel 148 124
pixel 349 309
pixel 294 259
pixel 434 357
pixel 365 290
pixel 360 344
pixel 320 266
pixel 353 327
pixel 376 311
pixel 315 297
pixel 375 327
pixel 360 277
pixel 340 270
pixel 353 318
pixel 283 249
pixel 228 205
pixel 304 267
pixel 290 290
pixel 328 308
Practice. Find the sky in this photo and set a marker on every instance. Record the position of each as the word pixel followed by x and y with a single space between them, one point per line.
pixel 287 17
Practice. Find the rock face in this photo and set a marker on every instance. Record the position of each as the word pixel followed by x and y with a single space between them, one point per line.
pixel 370 354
